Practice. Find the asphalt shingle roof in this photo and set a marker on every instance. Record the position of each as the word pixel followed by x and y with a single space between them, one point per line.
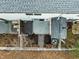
pixel 54 6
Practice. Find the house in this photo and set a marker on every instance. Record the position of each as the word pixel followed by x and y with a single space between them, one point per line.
pixel 42 27
pixel 39 32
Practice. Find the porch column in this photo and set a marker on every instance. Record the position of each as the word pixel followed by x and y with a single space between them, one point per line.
pixel 41 40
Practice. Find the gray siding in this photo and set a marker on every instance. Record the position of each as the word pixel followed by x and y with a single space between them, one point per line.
pixel 58 28
pixel 4 27
pixel 41 27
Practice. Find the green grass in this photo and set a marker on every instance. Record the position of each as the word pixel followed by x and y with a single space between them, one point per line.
pixel 75 53
pixel 77 44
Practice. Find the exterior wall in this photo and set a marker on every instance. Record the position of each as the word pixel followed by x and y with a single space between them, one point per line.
pixel 4 27
pixel 26 27
pixel 55 28
pixel 58 28
pixel 41 27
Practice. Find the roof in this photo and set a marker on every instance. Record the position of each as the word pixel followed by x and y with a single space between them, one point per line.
pixel 40 6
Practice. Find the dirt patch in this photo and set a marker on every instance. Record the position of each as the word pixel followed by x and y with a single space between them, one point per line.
pixel 9 40
pixel 35 55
